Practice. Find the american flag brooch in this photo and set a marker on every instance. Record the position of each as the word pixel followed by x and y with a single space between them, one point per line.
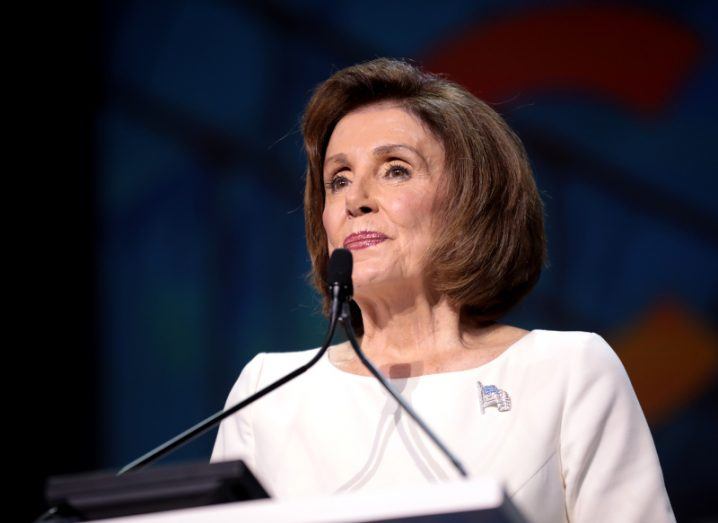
pixel 492 396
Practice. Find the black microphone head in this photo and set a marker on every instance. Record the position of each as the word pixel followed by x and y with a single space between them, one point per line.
pixel 339 271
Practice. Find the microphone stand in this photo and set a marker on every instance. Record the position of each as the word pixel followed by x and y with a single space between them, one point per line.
pixel 216 418
pixel 346 322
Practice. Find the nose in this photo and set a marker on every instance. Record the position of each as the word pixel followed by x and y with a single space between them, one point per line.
pixel 360 197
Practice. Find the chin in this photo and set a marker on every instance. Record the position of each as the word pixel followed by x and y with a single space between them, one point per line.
pixel 363 283
pixel 370 281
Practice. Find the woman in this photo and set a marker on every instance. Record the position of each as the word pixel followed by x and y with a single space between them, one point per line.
pixel 434 196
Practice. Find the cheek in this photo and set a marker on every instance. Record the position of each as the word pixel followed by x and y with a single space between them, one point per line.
pixel 412 211
pixel 329 221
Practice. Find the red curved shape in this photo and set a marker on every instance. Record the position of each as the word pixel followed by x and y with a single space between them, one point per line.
pixel 632 56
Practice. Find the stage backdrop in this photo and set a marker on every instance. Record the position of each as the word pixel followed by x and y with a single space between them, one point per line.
pixel 199 249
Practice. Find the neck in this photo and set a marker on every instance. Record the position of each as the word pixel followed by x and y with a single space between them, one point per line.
pixel 412 337
pixel 413 329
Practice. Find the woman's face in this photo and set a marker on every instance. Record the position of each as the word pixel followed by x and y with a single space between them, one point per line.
pixel 381 176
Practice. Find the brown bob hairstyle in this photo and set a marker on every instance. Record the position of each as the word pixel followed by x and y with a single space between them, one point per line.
pixel 492 247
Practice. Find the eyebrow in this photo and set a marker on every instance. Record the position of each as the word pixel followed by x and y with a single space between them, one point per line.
pixel 379 150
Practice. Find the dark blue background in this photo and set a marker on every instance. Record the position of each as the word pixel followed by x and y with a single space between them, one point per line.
pixel 167 240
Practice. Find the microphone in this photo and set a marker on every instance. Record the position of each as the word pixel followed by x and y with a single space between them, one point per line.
pixel 339 273
pixel 345 291
pixel 339 280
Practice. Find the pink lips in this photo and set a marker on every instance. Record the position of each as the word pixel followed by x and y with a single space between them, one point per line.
pixel 363 239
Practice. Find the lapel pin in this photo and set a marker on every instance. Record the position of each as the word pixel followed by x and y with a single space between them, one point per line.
pixel 492 396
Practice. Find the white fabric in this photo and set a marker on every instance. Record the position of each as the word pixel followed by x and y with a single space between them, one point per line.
pixel 575 445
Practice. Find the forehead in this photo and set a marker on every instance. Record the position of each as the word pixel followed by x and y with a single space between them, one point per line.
pixel 380 124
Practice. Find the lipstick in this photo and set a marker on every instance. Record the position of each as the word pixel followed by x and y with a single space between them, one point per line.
pixel 363 239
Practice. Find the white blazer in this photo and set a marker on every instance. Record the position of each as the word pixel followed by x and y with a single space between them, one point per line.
pixel 573 446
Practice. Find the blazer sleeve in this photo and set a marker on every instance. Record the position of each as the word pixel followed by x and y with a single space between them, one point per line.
pixel 609 462
pixel 235 438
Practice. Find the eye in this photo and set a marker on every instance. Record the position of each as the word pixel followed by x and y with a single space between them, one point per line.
pixel 397 172
pixel 336 183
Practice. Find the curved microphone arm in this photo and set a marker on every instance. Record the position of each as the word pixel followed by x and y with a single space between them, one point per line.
pixel 346 322
pixel 216 418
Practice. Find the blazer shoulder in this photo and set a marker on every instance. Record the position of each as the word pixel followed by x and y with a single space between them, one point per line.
pixel 277 364
pixel 582 347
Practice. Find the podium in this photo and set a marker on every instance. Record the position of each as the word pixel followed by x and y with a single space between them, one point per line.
pixel 479 500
